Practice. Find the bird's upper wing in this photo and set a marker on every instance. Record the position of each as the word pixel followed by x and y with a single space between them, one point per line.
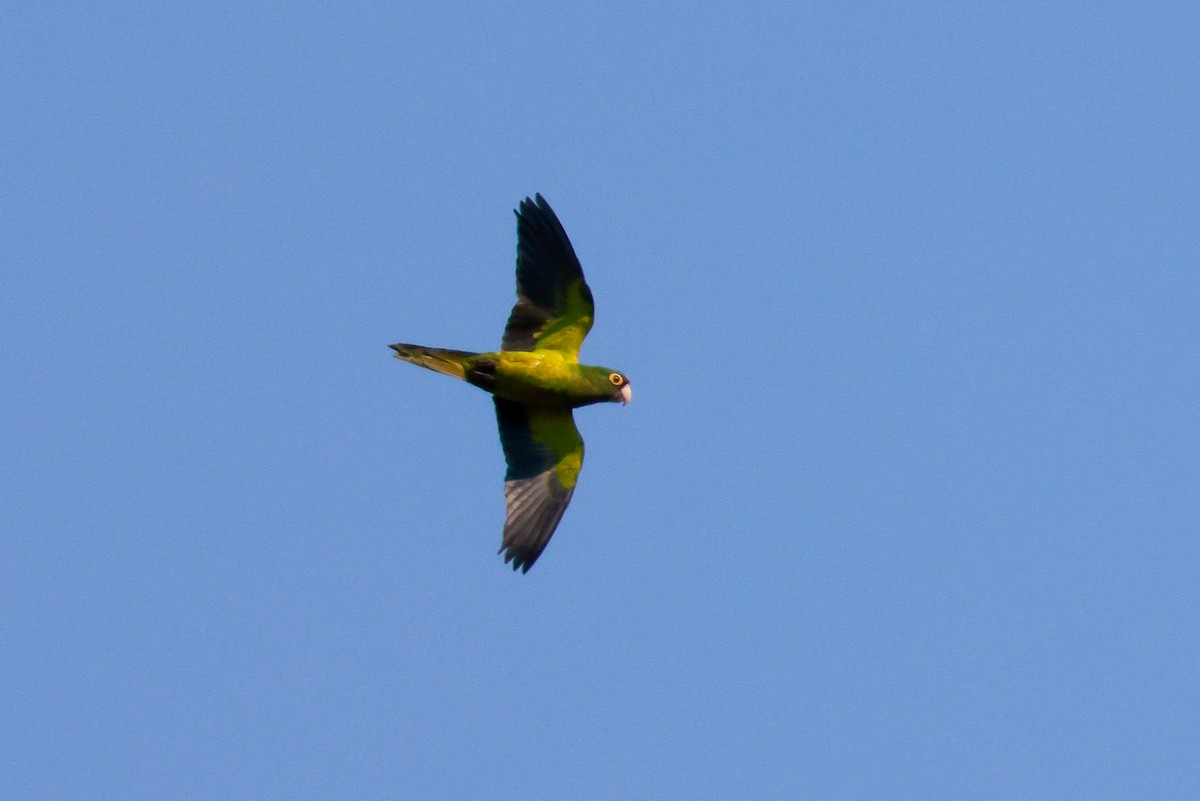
pixel 544 453
pixel 554 304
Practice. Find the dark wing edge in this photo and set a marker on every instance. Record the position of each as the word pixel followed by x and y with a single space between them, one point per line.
pixel 535 496
pixel 546 269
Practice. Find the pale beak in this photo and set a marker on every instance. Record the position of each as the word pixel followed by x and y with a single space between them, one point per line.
pixel 626 394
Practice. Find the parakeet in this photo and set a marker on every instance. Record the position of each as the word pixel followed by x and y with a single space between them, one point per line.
pixel 536 381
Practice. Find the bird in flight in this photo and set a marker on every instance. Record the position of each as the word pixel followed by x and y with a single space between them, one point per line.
pixel 536 381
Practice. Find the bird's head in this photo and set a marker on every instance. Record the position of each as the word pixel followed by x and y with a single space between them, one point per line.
pixel 622 389
pixel 604 384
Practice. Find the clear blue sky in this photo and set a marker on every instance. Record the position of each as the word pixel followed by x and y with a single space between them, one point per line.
pixel 905 506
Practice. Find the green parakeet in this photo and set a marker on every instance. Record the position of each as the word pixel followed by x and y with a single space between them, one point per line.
pixel 536 381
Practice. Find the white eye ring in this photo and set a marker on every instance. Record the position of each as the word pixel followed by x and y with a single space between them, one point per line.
pixel 616 379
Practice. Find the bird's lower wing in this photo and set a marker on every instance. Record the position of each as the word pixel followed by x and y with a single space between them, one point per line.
pixel 544 452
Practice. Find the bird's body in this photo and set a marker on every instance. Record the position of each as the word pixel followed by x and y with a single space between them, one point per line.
pixel 536 380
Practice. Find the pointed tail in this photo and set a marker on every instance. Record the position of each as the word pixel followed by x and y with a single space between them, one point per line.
pixel 450 362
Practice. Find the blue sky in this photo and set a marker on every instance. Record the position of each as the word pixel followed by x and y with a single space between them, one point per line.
pixel 905 505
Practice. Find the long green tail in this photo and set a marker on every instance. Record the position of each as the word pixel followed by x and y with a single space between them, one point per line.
pixel 443 360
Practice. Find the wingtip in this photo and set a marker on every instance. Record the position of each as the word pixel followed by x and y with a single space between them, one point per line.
pixel 536 202
pixel 518 560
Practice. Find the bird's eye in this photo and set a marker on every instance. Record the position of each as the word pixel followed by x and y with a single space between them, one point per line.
pixel 615 378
